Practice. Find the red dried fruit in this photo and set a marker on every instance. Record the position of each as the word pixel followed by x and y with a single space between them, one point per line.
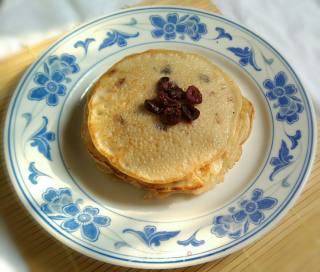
pixel 189 112
pixel 173 104
pixel 176 92
pixel 166 100
pixel 171 116
pixel 164 84
pixel 153 105
pixel 193 95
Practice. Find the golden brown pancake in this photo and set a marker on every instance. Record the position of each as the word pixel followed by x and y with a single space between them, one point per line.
pixel 128 141
pixel 128 136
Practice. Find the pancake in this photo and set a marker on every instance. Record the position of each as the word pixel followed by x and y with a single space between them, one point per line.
pixel 204 178
pixel 126 139
pixel 219 167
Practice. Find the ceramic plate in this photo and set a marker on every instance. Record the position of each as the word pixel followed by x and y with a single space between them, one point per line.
pixel 109 220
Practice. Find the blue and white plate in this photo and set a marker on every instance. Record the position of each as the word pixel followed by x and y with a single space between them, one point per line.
pixel 109 220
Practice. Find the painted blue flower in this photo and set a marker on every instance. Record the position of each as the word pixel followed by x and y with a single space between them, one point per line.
pixel 221 225
pixel 252 209
pixel 167 28
pixel 55 200
pixel 50 87
pixel 87 220
pixel 66 63
pixel 195 28
pixel 284 94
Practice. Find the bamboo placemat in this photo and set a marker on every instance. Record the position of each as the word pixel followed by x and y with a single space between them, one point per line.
pixel 293 245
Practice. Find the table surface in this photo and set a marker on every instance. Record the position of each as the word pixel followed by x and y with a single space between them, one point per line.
pixel 293 245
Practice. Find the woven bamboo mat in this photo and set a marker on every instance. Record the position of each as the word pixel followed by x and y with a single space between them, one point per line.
pixel 293 245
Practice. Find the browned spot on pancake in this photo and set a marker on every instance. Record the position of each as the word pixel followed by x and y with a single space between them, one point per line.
pixel 206 168
pixel 212 93
pixel 112 71
pixel 217 118
pixel 166 70
pixel 120 119
pixel 120 82
pixel 204 78
pixel 229 99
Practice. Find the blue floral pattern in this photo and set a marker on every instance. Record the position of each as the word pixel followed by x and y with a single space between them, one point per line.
pixel 50 87
pixel 294 139
pixel 59 205
pixel 289 105
pixel 84 44
pixel 55 200
pixel 34 173
pixel 66 63
pixel 237 223
pixel 222 34
pixel 87 220
pixel 192 240
pixel 117 37
pixel 283 160
pixel 246 56
pixel 51 81
pixel 42 138
pixel 173 25
pixel 150 236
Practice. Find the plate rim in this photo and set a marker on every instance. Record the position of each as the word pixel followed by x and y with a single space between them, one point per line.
pixel 182 263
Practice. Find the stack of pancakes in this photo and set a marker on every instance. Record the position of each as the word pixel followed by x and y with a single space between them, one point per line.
pixel 130 142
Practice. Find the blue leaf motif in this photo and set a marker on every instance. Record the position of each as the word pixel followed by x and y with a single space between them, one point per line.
pixel 192 240
pixel 57 217
pixel 246 56
pixel 285 183
pixel 222 34
pixel 267 61
pixel 46 68
pixel 283 160
pixel 293 97
pixel 41 139
pixel 84 44
pixel 132 22
pixel 246 227
pixel 28 117
pixel 117 37
pixel 235 235
pixel 294 139
pixel 34 173
pixel 183 18
pixel 150 236
pixel 120 244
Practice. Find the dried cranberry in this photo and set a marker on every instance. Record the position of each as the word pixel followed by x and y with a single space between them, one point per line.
pixel 171 116
pixel 176 92
pixel 193 95
pixel 173 104
pixel 164 84
pixel 153 106
pixel 166 100
pixel 190 112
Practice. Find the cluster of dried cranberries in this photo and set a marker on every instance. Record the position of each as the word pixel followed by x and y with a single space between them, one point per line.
pixel 173 104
